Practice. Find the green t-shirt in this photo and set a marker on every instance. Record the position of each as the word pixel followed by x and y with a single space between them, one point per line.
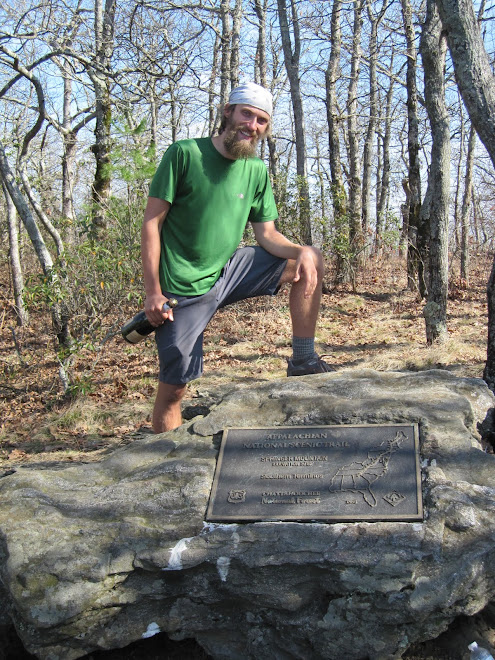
pixel 212 198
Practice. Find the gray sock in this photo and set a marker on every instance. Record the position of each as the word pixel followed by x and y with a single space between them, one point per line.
pixel 302 348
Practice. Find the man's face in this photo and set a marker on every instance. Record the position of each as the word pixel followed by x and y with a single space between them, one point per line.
pixel 246 126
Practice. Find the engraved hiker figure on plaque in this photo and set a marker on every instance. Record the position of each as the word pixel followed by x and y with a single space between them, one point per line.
pixel 342 472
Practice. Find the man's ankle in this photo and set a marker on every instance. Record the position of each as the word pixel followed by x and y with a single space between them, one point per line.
pixel 302 348
pixel 167 421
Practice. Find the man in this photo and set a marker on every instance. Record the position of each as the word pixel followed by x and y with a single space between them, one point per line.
pixel 201 197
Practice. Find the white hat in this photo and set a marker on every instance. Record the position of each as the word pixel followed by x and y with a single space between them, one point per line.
pixel 252 94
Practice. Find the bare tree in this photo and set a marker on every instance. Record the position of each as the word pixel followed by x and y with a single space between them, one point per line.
pixel 334 121
pixel 477 85
pixel 229 67
pixel 157 59
pixel 23 72
pixel 212 110
pixel 369 141
pixel 466 206
pixel 292 55
pixel 70 145
pixel 468 191
pixel 60 318
pixel 261 74
pixel 383 188
pixel 415 260
pixel 354 209
pixel 100 76
pixel 435 207
pixel 27 73
pixel 15 260
pixel 236 36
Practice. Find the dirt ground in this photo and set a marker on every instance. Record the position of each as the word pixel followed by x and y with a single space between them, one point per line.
pixel 378 326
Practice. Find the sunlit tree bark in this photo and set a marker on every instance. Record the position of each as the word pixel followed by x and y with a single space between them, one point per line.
pixel 477 85
pixel 226 55
pixel 60 319
pixel 70 145
pixel 466 206
pixel 213 111
pixel 468 191
pixel 100 76
pixel 292 54
pixel 435 208
pixel 21 312
pixel 334 121
pixel 355 183
pixel 30 134
pixel 369 141
pixel 235 50
pixel 415 260
pixel 261 75
pixel 384 188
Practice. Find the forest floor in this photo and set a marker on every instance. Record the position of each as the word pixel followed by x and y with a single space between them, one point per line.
pixel 378 326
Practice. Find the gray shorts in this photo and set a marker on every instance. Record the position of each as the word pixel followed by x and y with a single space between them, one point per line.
pixel 250 272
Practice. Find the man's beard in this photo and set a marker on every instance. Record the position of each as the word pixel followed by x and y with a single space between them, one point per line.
pixel 239 148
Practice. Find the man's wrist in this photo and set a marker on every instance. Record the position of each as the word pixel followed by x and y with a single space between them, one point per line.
pixel 155 291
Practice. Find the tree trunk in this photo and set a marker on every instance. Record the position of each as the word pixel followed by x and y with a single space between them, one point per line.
pixel 466 207
pixel 339 197
pixel 226 44
pixel 15 260
pixel 260 69
pixel 404 209
pixel 60 318
pixel 68 159
pixel 45 220
pixel 415 260
pixel 69 152
pixel 489 370
pixel 321 184
pixel 435 208
pixel 213 110
pixel 476 222
pixel 260 66
pixel 104 36
pixel 373 116
pixel 291 60
pixel 383 193
pixel 472 67
pixel 477 85
pixel 25 213
pixel 355 230
pixel 236 35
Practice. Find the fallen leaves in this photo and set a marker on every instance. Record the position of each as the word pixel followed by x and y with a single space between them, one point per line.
pixel 17 455
pixel 381 327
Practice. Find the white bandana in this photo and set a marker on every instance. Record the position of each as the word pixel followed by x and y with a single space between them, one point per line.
pixel 252 94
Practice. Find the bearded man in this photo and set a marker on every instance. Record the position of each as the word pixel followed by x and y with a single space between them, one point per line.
pixel 203 194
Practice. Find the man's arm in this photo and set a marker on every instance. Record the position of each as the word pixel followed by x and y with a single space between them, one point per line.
pixel 277 244
pixel 154 217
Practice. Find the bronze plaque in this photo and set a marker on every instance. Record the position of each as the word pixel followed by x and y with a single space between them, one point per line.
pixel 351 472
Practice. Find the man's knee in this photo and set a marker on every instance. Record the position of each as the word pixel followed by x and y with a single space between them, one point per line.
pixel 290 269
pixel 170 394
pixel 318 259
pixel 167 409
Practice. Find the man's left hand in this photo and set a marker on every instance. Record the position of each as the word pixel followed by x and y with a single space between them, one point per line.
pixel 306 270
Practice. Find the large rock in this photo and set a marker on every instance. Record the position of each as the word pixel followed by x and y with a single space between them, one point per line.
pixel 96 556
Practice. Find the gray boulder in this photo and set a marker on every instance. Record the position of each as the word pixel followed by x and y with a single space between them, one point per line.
pixel 96 556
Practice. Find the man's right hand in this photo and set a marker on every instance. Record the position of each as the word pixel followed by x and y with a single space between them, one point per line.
pixel 153 307
pixel 154 217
